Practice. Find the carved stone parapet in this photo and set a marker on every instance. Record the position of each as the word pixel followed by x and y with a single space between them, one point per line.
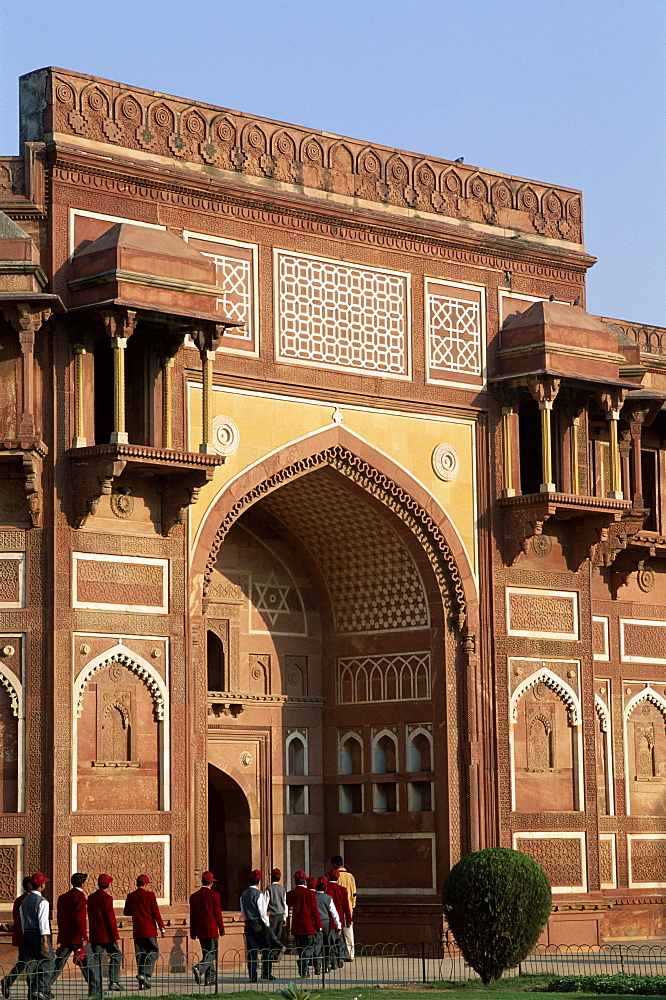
pixel 181 475
pixel 589 518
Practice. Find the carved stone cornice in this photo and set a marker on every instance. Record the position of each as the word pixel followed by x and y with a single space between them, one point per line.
pixel 403 234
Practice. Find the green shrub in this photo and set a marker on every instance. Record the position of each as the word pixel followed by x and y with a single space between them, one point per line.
pixel 621 982
pixel 496 903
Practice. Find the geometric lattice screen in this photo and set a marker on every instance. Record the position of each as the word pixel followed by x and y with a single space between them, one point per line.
pixel 342 315
pixel 454 331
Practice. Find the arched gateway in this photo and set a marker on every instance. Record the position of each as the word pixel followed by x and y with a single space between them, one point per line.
pixel 338 610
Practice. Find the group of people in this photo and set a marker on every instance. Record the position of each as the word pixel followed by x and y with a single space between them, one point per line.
pixel 87 927
pixel 318 912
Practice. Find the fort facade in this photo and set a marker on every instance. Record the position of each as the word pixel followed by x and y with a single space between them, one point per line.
pixel 330 521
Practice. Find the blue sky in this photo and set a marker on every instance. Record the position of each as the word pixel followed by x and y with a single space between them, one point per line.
pixel 570 92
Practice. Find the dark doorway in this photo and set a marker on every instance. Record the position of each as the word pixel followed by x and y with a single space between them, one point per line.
pixel 215 662
pixel 529 430
pixel 229 841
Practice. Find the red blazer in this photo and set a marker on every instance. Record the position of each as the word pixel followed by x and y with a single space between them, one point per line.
pixel 141 906
pixel 17 929
pixel 206 914
pixel 102 919
pixel 304 910
pixel 340 898
pixel 72 922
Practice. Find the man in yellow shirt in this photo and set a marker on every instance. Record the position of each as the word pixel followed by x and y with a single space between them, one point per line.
pixel 349 882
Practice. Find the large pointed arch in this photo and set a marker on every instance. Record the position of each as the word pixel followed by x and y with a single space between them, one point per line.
pixel 384 479
pixel 159 693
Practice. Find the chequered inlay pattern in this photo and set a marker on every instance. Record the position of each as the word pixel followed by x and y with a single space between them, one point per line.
pixel 455 334
pixel 338 314
pixel 393 677
pixel 234 278
pixel 371 576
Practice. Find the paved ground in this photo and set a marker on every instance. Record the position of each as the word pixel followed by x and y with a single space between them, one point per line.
pixel 388 967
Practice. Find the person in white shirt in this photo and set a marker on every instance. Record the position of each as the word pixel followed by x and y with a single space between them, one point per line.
pixel 37 939
pixel 254 910
pixel 327 949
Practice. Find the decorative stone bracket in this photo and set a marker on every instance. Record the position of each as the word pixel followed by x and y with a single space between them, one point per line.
pixel 30 452
pixel 593 522
pixel 227 707
pixel 181 475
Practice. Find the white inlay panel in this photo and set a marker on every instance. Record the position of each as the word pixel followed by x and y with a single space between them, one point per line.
pixel 331 314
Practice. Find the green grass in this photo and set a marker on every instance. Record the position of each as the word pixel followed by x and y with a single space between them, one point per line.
pixel 521 987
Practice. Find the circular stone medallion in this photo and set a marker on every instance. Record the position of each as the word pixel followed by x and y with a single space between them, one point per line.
pixel 445 462
pixel 226 436
pixel 122 504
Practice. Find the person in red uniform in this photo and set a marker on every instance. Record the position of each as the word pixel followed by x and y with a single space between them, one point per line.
pixel 103 933
pixel 17 940
pixel 340 898
pixel 303 920
pixel 73 931
pixel 141 906
pixel 206 923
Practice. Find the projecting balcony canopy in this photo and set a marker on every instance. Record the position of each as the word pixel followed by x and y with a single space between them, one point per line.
pixel 560 339
pixel 148 270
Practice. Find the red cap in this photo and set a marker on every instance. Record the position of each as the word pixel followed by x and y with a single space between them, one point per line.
pixel 39 879
pixel 104 880
pixel 311 882
pixel 334 874
pixel 256 874
pixel 142 879
pixel 322 882
pixel 207 877
pixel 276 873
pixel 300 874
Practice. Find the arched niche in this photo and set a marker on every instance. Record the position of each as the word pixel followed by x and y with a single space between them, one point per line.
pixel 546 742
pixel 120 747
pixel 645 753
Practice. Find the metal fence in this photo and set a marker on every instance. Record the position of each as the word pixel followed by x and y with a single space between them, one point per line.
pixel 375 965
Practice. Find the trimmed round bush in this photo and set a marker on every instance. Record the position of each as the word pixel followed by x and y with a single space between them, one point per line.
pixel 496 902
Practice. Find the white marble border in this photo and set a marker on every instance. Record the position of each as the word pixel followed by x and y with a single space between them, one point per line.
pixel 605 656
pixel 646 693
pixel 483 372
pixel 645 623
pixel 17 683
pixel 20 558
pixel 79 682
pixel 612 838
pixel 405 376
pixel 162 609
pixel 254 266
pixel 542 673
pixel 631 837
pixel 560 835
pixel 571 595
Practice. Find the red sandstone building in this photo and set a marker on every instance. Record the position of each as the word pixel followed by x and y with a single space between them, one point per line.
pixel 330 520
